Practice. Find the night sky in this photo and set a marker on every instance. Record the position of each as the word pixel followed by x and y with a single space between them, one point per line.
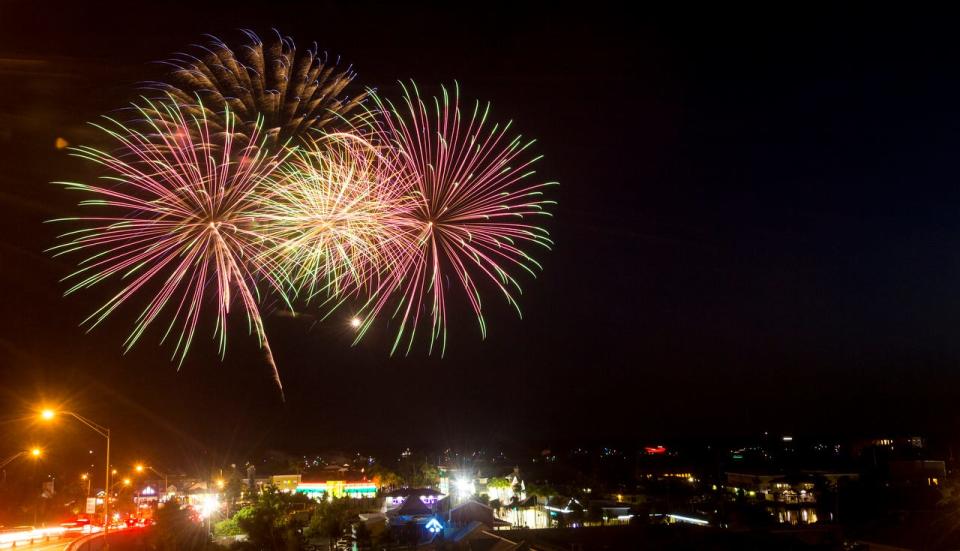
pixel 757 230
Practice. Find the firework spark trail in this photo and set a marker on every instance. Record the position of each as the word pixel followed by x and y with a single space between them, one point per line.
pixel 292 94
pixel 332 218
pixel 472 209
pixel 179 228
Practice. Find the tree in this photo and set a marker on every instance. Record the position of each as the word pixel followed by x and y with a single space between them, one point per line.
pixel 384 478
pixel 178 530
pixel 418 472
pixel 271 523
pixel 498 482
pixel 541 490
pixel 232 490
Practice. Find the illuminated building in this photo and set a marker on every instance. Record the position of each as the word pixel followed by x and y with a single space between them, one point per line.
pixel 286 482
pixel 396 498
pixel 337 489
pixel 293 483
pixel 773 487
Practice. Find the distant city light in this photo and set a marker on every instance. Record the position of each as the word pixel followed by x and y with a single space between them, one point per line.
pixel 788 439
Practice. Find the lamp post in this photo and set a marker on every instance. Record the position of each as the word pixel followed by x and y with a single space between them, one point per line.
pixel 86 478
pixel 33 452
pixel 48 415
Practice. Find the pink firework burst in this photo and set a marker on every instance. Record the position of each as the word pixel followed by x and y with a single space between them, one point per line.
pixel 476 210
pixel 175 229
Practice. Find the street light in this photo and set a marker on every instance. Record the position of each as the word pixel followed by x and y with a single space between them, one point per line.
pixel 47 414
pixel 32 452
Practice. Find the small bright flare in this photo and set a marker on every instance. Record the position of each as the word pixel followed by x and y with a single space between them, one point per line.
pixel 36 452
pixel 138 468
pixel 126 481
pixel 355 322
pixel 47 414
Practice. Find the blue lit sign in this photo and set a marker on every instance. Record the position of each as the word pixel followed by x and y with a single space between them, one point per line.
pixel 434 526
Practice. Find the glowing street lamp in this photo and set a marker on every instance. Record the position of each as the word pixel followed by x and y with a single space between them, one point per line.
pixel 138 468
pixel 48 414
pixel 32 452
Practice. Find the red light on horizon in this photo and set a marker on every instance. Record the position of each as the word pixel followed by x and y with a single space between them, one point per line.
pixel 655 450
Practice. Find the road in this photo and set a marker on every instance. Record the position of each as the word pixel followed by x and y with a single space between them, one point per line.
pixel 58 545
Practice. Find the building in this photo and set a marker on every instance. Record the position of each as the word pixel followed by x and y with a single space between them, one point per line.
pixel 773 487
pixel 286 482
pixel 291 483
pixel 338 489
pixel 917 472
pixel 396 498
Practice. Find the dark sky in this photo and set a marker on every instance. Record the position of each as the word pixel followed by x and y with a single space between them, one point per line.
pixel 757 230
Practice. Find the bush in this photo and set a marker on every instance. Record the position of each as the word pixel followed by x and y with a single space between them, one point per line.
pixel 227 528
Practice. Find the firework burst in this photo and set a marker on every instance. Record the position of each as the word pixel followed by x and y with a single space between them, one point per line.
pixel 333 217
pixel 175 229
pixel 292 94
pixel 474 211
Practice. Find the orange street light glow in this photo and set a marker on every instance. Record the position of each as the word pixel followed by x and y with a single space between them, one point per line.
pixel 47 414
pixel 36 452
